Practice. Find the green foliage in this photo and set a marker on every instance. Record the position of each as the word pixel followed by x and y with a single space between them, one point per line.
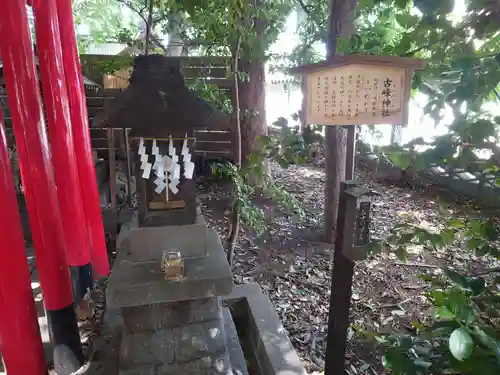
pixel 293 145
pixel 462 72
pixel 212 94
pixel 463 336
pixel 106 21
pixel 99 65
pixel 213 26
pixel 220 23
pixel 252 180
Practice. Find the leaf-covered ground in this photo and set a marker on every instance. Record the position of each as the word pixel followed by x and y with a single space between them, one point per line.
pixel 293 265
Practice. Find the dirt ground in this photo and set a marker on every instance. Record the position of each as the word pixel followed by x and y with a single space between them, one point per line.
pixel 293 265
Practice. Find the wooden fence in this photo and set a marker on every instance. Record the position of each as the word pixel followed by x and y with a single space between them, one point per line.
pixel 210 143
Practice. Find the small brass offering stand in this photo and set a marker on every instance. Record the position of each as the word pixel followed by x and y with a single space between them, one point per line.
pixel 172 265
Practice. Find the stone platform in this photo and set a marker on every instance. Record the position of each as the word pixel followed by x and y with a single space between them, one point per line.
pixel 171 326
pixel 248 315
pixel 142 282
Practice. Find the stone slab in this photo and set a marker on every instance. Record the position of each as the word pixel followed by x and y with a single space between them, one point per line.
pixel 215 365
pixel 274 351
pixel 150 348
pixel 143 283
pixel 170 315
pixel 233 347
pixel 148 243
pixel 198 341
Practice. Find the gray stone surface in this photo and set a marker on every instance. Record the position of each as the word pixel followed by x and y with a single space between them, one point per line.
pixel 143 283
pixel 274 351
pixel 151 348
pixel 216 365
pixel 236 356
pixel 123 239
pixel 148 243
pixel 113 319
pixel 169 315
pixel 65 362
pixel 199 340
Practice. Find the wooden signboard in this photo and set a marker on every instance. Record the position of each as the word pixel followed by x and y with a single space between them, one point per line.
pixel 358 90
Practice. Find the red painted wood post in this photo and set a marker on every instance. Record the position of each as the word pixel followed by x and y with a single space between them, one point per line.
pixel 81 138
pixel 61 137
pixel 19 330
pixel 37 174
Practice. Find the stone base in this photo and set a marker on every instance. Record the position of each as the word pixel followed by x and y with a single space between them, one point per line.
pixel 269 344
pixel 218 365
pixel 169 346
pixel 149 243
pixel 170 315
pixel 178 216
pixel 143 283
pixel 186 337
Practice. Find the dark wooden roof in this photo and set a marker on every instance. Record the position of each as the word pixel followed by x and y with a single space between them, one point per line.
pixel 338 61
pixel 158 104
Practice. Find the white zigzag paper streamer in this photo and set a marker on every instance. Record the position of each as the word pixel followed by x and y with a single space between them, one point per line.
pixel 186 158
pixel 173 168
pixel 159 168
pixel 145 165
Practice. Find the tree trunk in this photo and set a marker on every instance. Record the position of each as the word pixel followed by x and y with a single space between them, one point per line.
pixel 340 26
pixel 175 45
pixel 335 168
pixel 252 89
pixel 252 97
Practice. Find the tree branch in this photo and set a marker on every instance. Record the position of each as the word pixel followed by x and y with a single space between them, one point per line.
pixel 149 25
pixel 305 7
pixel 427 46
pixel 132 8
pixel 158 43
pixel 496 93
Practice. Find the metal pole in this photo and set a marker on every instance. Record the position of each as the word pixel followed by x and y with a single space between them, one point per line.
pixel 37 174
pixel 81 139
pixel 19 330
pixel 61 137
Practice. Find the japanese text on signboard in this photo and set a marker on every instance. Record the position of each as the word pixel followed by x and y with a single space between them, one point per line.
pixel 356 94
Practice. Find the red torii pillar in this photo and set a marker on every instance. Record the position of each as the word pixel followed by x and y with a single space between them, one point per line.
pixel 81 138
pixel 19 331
pixel 37 175
pixel 61 139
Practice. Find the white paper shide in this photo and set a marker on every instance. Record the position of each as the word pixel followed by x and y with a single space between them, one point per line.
pixel 167 169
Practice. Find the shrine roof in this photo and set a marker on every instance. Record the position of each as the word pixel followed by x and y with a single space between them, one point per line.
pixel 158 104
pixel 339 61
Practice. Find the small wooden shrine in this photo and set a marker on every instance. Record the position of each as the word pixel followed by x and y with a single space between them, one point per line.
pixel 162 115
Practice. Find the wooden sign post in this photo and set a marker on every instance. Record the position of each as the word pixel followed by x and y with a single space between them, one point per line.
pixel 358 90
pixel 353 90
